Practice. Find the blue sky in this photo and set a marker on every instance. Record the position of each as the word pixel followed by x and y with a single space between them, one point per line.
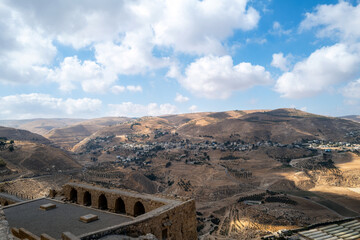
pixel 89 59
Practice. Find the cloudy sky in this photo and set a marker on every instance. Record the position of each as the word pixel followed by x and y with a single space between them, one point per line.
pixel 88 58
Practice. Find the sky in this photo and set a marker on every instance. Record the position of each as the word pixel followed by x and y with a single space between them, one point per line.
pixel 87 58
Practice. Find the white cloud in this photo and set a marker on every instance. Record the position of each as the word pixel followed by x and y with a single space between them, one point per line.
pixel 138 110
pixel 259 41
pixel 327 67
pixel 341 20
pixel 281 62
pixel 180 98
pixel 91 76
pixel 193 108
pixel 37 105
pixel 132 56
pixel 174 71
pixel 120 89
pixel 320 71
pixel 125 36
pixel 277 29
pixel 24 51
pixel 200 26
pixel 185 25
pixel 217 77
pixel 132 88
pixel 352 90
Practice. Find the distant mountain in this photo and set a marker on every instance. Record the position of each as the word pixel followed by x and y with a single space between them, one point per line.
pixel 68 136
pixel 355 118
pixel 40 126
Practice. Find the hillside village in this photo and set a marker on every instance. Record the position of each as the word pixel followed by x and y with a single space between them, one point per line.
pixel 140 152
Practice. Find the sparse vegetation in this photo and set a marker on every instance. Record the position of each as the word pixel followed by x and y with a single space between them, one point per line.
pixel 2 163
pixel 229 157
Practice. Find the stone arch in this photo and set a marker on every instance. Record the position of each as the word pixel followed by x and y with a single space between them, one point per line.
pixel 6 203
pixel 87 199
pixel 138 209
pixel 120 206
pixel 73 195
pixel 102 203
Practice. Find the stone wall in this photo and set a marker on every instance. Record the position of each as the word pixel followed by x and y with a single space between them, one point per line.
pixel 177 223
pixel 24 234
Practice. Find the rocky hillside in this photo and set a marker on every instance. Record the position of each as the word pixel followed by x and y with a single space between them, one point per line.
pixel 22 135
pixel 281 125
pixel 33 158
pixel 68 136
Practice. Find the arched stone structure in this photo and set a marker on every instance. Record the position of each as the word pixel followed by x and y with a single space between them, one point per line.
pixel 91 196
pixel 165 217
pixel 120 206
pixel 87 199
pixel 139 209
pixel 73 195
pixel 6 203
pixel 102 202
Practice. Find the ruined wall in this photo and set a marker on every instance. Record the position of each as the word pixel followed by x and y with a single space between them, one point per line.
pixel 111 196
pixel 177 223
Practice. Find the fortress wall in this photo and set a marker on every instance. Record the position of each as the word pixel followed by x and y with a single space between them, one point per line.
pixel 177 223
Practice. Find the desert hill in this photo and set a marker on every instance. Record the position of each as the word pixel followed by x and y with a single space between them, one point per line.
pixel 22 135
pixel 40 126
pixel 355 118
pixel 281 125
pixel 30 158
pixel 303 168
pixel 68 136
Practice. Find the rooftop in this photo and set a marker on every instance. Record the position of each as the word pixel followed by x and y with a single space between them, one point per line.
pixel 347 230
pixel 65 217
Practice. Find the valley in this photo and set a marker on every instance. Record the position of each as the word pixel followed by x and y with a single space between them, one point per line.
pixel 250 172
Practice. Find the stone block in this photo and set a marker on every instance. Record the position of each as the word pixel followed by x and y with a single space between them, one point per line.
pixel 24 234
pixel 47 206
pixel 89 218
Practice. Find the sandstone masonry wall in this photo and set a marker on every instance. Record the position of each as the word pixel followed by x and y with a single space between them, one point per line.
pixel 175 223
pixel 129 199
